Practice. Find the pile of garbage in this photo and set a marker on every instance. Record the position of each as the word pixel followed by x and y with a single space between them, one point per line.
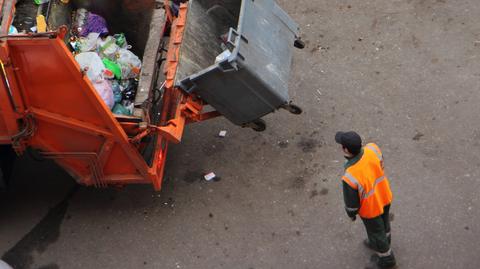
pixel 107 61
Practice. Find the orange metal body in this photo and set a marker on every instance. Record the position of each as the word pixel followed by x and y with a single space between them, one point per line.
pixel 47 103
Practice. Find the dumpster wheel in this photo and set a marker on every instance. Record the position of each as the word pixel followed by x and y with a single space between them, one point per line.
pixel 294 109
pixel 299 44
pixel 257 125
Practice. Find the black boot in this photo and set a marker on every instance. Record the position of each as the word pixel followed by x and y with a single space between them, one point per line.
pixel 385 262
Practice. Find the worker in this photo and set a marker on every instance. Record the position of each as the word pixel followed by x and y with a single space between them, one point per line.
pixel 366 192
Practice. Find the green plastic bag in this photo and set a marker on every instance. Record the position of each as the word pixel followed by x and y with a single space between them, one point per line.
pixel 39 2
pixel 114 67
pixel 121 41
pixel 120 110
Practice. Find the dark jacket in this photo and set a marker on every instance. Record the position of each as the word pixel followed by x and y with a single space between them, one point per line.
pixel 350 195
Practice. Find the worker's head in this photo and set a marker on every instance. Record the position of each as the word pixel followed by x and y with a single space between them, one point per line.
pixel 351 143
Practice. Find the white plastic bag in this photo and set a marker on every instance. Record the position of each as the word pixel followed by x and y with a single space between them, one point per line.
pixel 91 62
pixel 104 89
pixel 129 63
pixel 107 47
pixel 89 43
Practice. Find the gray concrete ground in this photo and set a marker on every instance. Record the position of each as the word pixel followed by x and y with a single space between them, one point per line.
pixel 403 73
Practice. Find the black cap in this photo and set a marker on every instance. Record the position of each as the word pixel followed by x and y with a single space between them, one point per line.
pixel 350 140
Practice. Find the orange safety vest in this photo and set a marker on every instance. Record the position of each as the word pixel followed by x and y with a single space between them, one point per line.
pixel 368 177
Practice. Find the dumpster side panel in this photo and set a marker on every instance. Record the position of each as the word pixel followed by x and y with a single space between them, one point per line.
pixel 112 166
pixel 236 95
pixel 270 34
pixel 201 41
pixel 48 83
pixel 64 138
pixel 72 124
pixel 8 118
pixel 4 137
pixel 10 107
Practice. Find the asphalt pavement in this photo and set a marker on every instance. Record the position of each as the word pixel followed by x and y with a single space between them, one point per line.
pixel 402 73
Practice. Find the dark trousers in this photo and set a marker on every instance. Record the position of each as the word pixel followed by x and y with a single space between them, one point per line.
pixel 378 231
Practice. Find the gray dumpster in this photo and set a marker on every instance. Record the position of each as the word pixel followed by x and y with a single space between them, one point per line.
pixel 251 80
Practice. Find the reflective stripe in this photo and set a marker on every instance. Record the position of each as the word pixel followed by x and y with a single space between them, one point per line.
pixel 351 209
pixel 355 181
pixel 372 191
pixel 379 155
pixel 385 254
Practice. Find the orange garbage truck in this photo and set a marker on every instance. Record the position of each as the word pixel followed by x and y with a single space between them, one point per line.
pixel 72 86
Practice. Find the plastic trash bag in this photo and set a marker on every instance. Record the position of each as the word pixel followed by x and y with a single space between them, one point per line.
pixel 89 43
pixel 121 41
pixel 114 67
pixel 108 48
pixel 117 91
pixel 12 30
pixel 94 24
pixel 130 90
pixel 104 89
pixel 128 105
pixel 91 62
pixel 129 63
pixel 119 109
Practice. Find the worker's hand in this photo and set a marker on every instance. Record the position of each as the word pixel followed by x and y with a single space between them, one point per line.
pixel 354 218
